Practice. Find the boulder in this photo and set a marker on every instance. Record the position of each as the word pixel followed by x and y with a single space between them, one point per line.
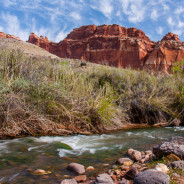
pixel 175 146
pixel 104 179
pixel 69 181
pixel 77 168
pixel 178 165
pixel 151 176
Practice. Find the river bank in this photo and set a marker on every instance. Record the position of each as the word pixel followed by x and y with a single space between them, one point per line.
pixel 42 96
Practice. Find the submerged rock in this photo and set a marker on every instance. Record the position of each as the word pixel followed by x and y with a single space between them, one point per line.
pixel 151 176
pixel 77 168
pixel 62 145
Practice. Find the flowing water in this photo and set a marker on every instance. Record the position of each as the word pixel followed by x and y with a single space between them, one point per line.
pixel 19 157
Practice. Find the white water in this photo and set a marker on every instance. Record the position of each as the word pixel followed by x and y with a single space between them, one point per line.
pixel 92 144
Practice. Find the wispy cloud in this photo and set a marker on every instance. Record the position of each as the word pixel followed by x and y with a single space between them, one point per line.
pixel 106 8
pixel 57 18
pixel 75 16
pixel 170 21
pixel 135 10
pixel 160 30
pixel 13 25
pixel 154 15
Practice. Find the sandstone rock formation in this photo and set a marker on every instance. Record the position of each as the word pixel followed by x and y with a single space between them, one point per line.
pixel 113 45
pixel 165 54
pixel 4 35
pixel 116 46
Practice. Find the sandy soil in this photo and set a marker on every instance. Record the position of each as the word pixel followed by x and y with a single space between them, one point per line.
pixel 28 48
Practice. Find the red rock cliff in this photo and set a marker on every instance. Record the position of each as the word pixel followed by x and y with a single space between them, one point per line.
pixel 4 35
pixel 116 46
pixel 165 54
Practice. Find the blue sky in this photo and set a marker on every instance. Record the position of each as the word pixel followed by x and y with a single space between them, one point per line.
pixel 57 18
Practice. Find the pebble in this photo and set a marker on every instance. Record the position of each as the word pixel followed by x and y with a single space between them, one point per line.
pixel 90 168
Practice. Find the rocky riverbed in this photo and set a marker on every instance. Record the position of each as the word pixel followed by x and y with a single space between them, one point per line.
pixel 144 167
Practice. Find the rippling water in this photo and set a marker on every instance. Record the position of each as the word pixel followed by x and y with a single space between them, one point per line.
pixel 18 156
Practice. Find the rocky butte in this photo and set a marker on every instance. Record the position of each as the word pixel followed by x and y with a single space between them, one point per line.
pixel 4 35
pixel 116 46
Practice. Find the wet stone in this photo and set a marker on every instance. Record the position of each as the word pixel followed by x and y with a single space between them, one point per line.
pixel 104 179
pixel 77 168
pixel 69 181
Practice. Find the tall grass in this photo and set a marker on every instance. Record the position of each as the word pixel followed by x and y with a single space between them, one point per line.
pixel 41 96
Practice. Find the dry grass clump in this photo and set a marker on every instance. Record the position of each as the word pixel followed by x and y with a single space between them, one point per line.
pixel 42 96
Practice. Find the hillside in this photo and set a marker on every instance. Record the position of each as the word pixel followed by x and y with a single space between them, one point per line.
pixel 40 95
pixel 27 48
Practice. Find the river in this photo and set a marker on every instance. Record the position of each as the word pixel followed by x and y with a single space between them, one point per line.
pixel 19 157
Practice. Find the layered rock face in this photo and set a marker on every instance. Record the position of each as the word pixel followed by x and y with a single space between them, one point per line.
pixel 164 55
pixel 4 35
pixel 113 45
pixel 116 46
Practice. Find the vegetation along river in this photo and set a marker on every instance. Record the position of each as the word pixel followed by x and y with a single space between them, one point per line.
pixel 20 157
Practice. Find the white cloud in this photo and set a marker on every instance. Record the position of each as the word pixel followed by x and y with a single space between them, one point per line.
pixel 75 15
pixel 154 15
pixel 1 29
pixel 160 30
pixel 13 26
pixel 134 9
pixel 166 7
pixel 106 8
pixel 170 21
pixel 179 10
pixel 8 3
pixel 180 24
pixel 61 35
